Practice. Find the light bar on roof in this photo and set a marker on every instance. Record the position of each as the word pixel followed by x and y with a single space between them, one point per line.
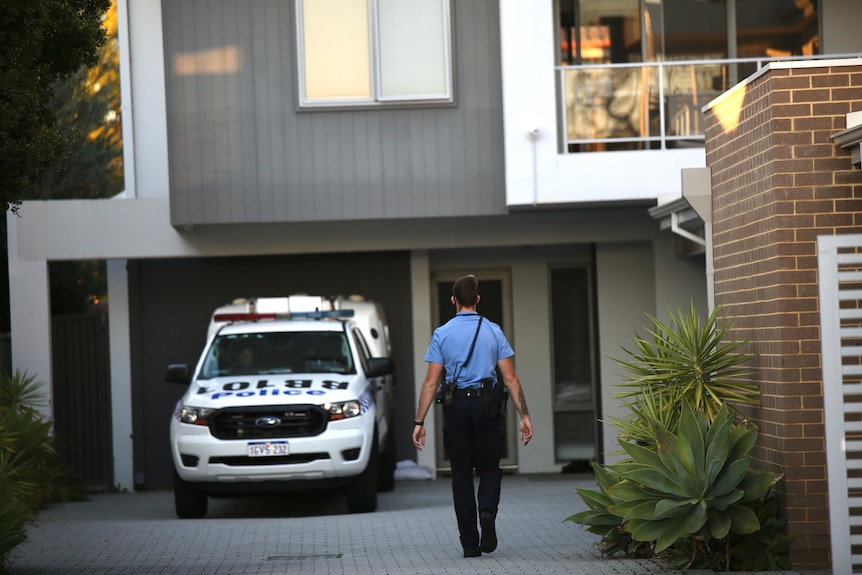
pixel 321 314
pixel 235 317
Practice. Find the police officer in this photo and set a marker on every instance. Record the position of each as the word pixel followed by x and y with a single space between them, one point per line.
pixel 472 437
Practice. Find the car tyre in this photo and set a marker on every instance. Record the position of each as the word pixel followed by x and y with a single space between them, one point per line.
pixel 189 503
pixel 362 491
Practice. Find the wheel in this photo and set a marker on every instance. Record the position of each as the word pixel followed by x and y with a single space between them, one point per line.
pixel 189 503
pixel 386 468
pixel 362 491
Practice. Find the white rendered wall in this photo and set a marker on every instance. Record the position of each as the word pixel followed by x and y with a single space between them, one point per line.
pixel 635 279
pixel 532 344
pixel 121 373
pixel 422 326
pixel 30 314
pixel 678 281
pixel 840 19
pixel 625 279
pixel 536 173
pixel 148 156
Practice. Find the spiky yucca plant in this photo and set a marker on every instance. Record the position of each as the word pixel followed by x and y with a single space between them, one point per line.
pixel 686 362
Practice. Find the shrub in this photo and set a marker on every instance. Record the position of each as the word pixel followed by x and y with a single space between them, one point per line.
pixel 694 491
pixel 685 490
pixel 30 474
pixel 687 362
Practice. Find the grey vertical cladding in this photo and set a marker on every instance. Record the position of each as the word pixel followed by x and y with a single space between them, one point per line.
pixel 240 151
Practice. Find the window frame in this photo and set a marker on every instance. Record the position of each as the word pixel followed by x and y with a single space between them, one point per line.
pixel 376 99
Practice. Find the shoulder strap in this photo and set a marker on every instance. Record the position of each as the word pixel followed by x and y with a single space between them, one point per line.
pixel 472 345
pixel 469 353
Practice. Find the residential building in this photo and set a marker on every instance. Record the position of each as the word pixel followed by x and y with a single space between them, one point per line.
pixel 384 148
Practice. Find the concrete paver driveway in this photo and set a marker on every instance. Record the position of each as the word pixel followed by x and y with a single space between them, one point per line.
pixel 413 531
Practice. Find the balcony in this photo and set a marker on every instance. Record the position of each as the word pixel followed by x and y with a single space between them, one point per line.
pixel 645 106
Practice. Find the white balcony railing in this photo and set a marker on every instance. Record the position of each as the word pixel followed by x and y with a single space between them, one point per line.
pixel 645 105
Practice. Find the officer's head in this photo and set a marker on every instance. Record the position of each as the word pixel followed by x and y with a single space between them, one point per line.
pixel 465 290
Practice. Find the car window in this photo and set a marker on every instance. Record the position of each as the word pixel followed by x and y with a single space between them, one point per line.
pixel 278 352
pixel 362 345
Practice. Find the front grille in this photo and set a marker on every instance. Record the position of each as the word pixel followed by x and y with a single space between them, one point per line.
pixel 240 460
pixel 267 422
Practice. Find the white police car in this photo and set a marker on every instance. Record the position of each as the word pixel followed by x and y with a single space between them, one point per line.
pixel 289 393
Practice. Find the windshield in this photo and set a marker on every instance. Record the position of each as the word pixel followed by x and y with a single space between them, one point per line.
pixel 281 352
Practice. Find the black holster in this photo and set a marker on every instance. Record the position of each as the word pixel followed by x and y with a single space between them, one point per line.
pixel 495 398
pixel 445 393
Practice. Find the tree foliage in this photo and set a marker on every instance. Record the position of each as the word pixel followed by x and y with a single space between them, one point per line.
pixel 87 108
pixel 41 42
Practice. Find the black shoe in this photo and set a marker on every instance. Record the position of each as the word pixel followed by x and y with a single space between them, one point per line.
pixel 489 532
pixel 472 552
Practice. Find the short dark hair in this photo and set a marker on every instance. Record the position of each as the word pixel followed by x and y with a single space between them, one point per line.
pixel 466 290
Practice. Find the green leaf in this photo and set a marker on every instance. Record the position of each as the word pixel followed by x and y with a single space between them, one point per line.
pixel 743 520
pixel 729 478
pixel 669 508
pixel 695 518
pixel 717 449
pixel 719 524
pixel 641 510
pixel 594 499
pixel 593 519
pixel 690 446
pixel 605 477
pixel 671 531
pixel 645 530
pixel 756 484
pixel 722 502
pixel 665 444
pixel 642 455
pixel 654 479
pixel 741 442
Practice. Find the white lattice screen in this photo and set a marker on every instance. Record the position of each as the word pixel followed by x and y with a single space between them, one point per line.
pixel 840 279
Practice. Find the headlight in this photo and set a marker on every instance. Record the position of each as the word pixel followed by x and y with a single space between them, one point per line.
pixel 342 410
pixel 194 415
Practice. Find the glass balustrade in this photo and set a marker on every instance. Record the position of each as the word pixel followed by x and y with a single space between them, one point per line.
pixel 655 105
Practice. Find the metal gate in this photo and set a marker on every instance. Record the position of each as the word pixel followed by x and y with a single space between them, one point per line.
pixel 82 397
pixel 840 279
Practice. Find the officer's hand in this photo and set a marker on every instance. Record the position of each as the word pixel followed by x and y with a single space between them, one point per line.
pixel 526 429
pixel 419 437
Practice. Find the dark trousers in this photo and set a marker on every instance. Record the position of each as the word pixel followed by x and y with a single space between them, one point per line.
pixel 473 440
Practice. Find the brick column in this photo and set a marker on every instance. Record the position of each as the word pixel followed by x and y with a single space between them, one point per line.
pixel 778 182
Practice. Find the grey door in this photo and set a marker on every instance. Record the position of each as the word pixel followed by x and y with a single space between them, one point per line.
pixel 496 305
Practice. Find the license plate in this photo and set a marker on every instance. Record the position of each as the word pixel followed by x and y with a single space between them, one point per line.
pixel 267 448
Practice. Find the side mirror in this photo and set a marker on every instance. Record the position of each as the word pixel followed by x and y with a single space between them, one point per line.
pixel 178 373
pixel 380 366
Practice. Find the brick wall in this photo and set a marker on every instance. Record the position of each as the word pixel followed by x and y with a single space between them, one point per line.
pixel 778 181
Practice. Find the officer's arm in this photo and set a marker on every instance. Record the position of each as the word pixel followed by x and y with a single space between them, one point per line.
pixel 426 397
pixel 516 392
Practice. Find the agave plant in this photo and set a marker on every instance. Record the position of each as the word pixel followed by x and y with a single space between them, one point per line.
pixel 688 362
pixel 694 489
pixel 597 519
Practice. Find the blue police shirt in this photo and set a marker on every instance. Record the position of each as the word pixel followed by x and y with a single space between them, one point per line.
pixel 450 345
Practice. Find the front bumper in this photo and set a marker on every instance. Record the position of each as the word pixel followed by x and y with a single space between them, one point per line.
pixel 333 457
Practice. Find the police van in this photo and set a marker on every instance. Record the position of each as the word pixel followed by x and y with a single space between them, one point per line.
pixel 289 393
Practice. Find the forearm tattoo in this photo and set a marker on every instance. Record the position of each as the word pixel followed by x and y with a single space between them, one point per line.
pixel 523 403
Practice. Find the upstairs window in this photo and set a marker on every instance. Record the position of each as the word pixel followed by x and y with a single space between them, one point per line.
pixel 373 52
